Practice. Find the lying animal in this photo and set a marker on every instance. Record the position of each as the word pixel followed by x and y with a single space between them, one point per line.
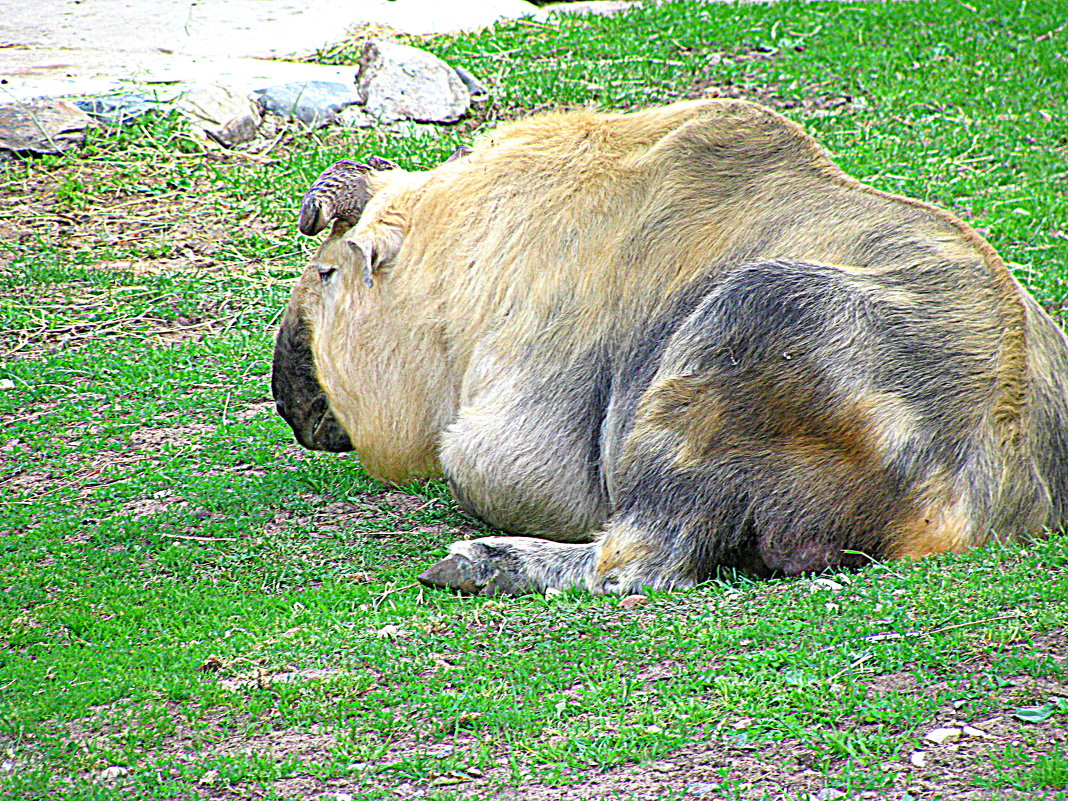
pixel 669 341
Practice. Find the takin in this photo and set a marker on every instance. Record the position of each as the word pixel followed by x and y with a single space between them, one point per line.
pixel 660 343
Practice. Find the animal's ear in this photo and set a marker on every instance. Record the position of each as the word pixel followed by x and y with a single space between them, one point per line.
pixel 379 163
pixel 340 193
pixel 373 246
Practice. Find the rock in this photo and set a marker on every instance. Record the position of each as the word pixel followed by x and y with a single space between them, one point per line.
pixel 355 117
pixel 43 127
pixel 477 91
pixel 918 758
pixel 827 794
pixel 223 115
pixel 398 82
pixel 598 7
pixel 315 103
pixel 702 789
pixel 632 601
pixel 6 383
pixel 943 734
pixel 117 110
pixel 826 584
pixel 113 772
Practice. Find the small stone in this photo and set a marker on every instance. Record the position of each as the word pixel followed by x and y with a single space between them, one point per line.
pixel 117 110
pixel 315 103
pixel 343 796
pixel 477 91
pixel 224 116
pixel 6 383
pixel 584 8
pixel 209 778
pixel 113 772
pixel 943 734
pixel 43 127
pixel 399 82
pixel 7 767
pixel 552 592
pixel 390 631
pixel 473 771
pixel 826 584
pixel 355 117
pixel 971 731
pixel 664 767
pixel 448 779
pixel 632 601
pixel 918 758
pixel 702 789
pixel 827 794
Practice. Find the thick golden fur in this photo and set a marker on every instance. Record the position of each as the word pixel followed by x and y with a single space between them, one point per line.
pixel 685 334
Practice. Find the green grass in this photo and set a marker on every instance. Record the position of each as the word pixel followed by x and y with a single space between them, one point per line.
pixel 187 597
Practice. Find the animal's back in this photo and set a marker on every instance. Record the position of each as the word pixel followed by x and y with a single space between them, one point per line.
pixel 686 332
pixel 589 229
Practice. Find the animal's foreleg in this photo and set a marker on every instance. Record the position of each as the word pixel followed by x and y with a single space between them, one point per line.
pixel 623 559
pixel 511 566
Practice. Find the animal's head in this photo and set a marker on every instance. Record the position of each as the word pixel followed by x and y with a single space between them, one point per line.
pixel 343 356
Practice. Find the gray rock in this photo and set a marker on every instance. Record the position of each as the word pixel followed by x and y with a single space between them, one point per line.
pixel 827 794
pixel 355 117
pixel 398 82
pixel 222 114
pixel 314 103
pixel 477 91
pixel 117 110
pixel 702 789
pixel 43 127
pixel 597 7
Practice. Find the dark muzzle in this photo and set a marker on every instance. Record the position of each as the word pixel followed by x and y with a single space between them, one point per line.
pixel 298 395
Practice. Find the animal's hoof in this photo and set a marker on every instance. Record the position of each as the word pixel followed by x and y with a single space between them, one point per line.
pixel 479 568
pixel 454 572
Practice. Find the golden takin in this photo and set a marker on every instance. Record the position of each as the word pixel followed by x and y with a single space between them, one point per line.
pixel 660 343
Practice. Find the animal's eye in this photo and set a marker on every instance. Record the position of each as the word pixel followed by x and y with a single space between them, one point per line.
pixel 325 271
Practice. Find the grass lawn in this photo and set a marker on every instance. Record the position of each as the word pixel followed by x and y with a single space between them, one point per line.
pixel 193 607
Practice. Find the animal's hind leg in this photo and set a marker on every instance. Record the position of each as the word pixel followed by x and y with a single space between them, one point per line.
pixel 622 560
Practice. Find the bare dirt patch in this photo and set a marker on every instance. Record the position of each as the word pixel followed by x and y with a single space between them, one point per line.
pixel 65 317
pixel 385 508
pixel 143 446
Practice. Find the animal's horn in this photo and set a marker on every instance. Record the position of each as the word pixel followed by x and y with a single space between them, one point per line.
pixel 459 153
pixel 379 163
pixel 340 192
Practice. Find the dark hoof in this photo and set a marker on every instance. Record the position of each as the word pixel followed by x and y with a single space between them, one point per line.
pixel 454 572
pixel 477 572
